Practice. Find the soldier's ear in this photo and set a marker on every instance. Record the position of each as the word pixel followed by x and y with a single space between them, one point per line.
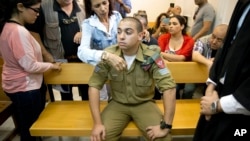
pixel 140 36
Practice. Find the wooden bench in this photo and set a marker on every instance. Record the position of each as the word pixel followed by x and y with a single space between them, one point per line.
pixel 6 109
pixel 73 118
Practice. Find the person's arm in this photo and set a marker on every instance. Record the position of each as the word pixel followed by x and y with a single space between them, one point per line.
pixel 98 131
pixel 26 53
pixel 157 33
pixel 169 100
pixel 96 83
pixel 197 57
pixel 173 57
pixel 205 28
pixel 93 56
pixel 185 52
pixel 166 84
pixel 228 104
pixel 47 57
pixel 126 5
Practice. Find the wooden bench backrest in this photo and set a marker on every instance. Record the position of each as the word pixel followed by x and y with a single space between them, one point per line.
pixel 79 73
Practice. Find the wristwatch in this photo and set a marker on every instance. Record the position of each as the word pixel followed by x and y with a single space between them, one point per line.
pixel 104 56
pixel 214 106
pixel 164 125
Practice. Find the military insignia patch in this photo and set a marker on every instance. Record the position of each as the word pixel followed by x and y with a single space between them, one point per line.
pixel 160 63
pixel 163 71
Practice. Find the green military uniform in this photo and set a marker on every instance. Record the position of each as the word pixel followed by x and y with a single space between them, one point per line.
pixel 132 91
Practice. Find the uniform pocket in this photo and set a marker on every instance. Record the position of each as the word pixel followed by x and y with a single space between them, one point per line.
pixel 144 84
pixel 116 80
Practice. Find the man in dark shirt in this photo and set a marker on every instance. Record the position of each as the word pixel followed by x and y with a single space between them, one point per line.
pixel 58 30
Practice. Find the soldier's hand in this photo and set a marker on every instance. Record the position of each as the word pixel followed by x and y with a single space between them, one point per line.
pixel 117 62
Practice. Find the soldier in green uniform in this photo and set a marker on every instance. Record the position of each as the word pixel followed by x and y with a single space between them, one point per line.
pixel 132 90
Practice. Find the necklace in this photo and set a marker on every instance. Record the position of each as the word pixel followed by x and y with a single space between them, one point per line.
pixel 12 21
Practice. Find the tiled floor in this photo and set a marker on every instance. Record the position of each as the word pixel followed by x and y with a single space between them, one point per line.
pixel 6 127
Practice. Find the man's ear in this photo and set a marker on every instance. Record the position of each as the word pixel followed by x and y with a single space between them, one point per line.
pixel 140 36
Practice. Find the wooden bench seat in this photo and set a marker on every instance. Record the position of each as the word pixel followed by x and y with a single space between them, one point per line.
pixel 73 118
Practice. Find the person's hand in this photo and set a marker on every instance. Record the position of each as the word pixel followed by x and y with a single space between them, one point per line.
pixel 154 132
pixel 163 27
pixel 211 59
pixel 77 38
pixel 56 66
pixel 120 1
pixel 98 133
pixel 170 11
pixel 146 35
pixel 117 62
pixel 206 102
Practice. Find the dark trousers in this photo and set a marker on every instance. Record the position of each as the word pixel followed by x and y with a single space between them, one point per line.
pixel 27 107
pixel 83 88
pixel 83 92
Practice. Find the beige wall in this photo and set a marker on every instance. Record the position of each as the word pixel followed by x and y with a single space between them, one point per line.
pixel 223 8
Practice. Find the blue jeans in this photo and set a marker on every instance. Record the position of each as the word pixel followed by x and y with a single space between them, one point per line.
pixel 27 107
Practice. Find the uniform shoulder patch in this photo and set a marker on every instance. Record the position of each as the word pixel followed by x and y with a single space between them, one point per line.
pixel 163 71
pixel 154 48
pixel 160 63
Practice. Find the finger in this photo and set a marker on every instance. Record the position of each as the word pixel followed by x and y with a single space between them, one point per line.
pixel 92 138
pixel 118 67
pixel 103 135
pixel 123 65
pixel 153 138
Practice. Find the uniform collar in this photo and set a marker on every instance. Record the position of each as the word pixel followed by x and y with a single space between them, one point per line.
pixel 139 55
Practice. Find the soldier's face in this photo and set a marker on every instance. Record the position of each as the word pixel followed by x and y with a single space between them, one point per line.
pixel 128 37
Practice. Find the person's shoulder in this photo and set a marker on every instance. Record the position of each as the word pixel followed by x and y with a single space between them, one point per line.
pixel 164 36
pixel 112 48
pixel 117 14
pixel 152 55
pixel 208 6
pixel 45 3
pixel 91 21
pixel 150 50
pixel 204 39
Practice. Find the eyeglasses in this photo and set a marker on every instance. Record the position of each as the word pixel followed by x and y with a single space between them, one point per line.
pixel 36 10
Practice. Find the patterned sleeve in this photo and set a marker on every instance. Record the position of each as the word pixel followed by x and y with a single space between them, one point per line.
pixel 198 46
